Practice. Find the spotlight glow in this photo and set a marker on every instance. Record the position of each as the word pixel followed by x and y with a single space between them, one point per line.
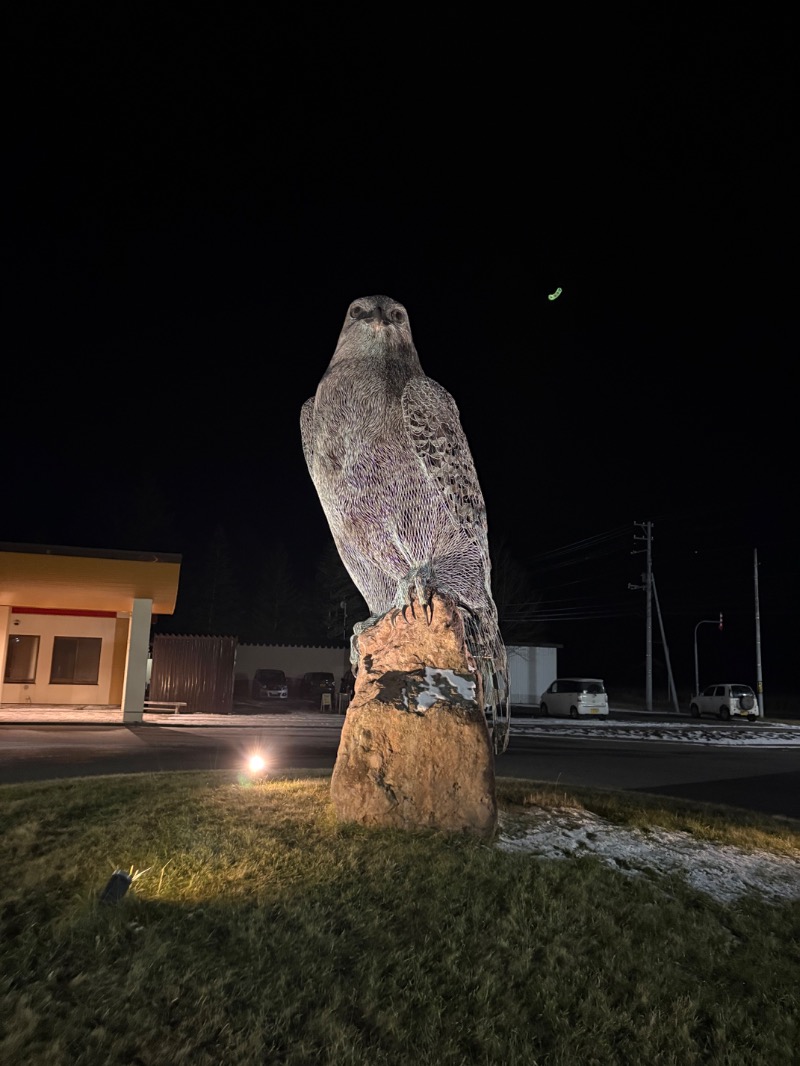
pixel 256 764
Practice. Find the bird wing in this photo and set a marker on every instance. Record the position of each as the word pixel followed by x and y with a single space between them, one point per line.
pixel 307 430
pixel 434 428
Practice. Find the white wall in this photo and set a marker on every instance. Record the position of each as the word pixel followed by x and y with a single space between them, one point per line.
pixel 531 669
pixel 294 660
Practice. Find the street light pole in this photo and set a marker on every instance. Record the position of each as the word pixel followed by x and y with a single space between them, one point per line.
pixel 705 621
pixel 759 682
pixel 648 587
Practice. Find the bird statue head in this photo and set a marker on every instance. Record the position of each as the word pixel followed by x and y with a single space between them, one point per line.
pixel 376 325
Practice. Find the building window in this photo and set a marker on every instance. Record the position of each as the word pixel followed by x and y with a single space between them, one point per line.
pixel 76 660
pixel 23 654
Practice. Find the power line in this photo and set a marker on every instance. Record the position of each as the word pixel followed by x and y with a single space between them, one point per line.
pixel 579 545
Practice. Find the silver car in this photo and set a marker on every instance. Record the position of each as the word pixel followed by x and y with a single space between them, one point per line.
pixel 575 696
pixel 725 702
pixel 270 685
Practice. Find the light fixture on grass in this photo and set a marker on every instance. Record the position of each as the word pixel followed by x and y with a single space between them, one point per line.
pixel 119 883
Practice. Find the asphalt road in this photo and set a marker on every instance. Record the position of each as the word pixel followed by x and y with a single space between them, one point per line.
pixel 754 778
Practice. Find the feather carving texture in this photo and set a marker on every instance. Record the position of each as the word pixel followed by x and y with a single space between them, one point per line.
pixel 395 476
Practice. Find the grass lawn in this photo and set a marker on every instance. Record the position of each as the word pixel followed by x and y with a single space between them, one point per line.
pixel 261 931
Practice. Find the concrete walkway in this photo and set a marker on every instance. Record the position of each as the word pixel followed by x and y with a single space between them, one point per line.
pixel 25 714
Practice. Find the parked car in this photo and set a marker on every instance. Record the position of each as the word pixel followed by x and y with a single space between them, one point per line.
pixel 270 685
pixel 575 696
pixel 315 683
pixel 726 702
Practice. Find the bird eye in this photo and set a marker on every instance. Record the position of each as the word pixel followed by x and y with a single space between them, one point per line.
pixel 356 310
pixel 398 316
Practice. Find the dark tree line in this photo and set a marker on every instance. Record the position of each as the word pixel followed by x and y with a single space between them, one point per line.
pixel 264 596
pixel 236 581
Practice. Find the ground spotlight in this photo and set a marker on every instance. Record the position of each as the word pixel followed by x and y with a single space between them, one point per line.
pixel 256 763
pixel 253 768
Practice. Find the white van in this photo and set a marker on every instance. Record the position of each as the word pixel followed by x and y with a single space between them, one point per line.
pixel 575 696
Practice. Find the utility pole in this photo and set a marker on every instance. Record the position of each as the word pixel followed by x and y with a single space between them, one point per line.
pixel 671 680
pixel 647 578
pixel 759 684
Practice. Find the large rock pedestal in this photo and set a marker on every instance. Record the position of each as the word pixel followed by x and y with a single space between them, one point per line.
pixel 415 751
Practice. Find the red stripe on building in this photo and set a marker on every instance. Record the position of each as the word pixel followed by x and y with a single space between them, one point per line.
pixel 56 610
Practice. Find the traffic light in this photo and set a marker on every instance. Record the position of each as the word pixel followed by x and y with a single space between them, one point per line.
pixel 720 621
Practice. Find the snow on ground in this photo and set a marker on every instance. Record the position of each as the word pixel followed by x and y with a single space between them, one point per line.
pixel 720 870
pixel 690 731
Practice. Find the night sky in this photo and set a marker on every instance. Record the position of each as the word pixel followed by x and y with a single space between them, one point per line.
pixel 192 205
